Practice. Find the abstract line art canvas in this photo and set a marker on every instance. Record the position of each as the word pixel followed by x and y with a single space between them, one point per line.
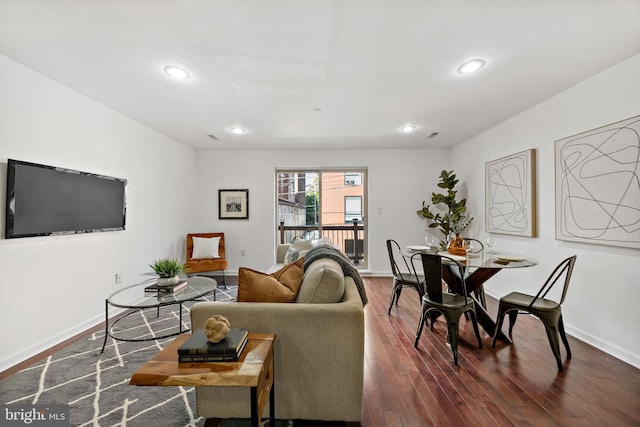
pixel 510 194
pixel 597 179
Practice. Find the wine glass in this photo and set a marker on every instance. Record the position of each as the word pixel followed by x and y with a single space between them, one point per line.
pixel 491 243
pixel 470 246
pixel 466 245
pixel 429 240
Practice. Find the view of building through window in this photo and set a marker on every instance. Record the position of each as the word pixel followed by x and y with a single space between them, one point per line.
pixel 323 203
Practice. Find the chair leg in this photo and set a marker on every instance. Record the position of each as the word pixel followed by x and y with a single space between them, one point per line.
pixel 434 317
pixel 394 297
pixel 499 321
pixel 423 317
pixel 552 334
pixel 453 326
pixel 224 279
pixel 513 316
pixel 563 335
pixel 474 322
pixel 480 296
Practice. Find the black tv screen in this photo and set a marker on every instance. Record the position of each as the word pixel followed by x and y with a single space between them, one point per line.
pixel 47 200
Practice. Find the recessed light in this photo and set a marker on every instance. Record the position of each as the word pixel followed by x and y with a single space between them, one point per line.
pixel 471 66
pixel 176 72
pixel 407 128
pixel 237 131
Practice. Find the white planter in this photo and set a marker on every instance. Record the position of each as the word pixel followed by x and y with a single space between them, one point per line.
pixel 166 281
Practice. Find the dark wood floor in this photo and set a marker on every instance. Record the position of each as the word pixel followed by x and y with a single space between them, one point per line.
pixel 510 385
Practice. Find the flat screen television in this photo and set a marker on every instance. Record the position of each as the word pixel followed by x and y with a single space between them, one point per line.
pixel 47 200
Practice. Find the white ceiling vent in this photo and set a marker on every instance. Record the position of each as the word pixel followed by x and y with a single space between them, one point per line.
pixel 212 136
pixel 433 134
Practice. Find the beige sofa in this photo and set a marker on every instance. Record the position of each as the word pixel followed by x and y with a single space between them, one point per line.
pixel 319 352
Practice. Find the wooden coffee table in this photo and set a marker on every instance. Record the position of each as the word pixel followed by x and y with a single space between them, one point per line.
pixel 253 370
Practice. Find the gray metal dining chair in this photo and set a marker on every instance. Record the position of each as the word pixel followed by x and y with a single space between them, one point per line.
pixel 477 247
pixel 402 278
pixel 452 306
pixel 548 311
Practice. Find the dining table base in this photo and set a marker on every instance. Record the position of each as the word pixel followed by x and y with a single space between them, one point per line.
pixel 475 281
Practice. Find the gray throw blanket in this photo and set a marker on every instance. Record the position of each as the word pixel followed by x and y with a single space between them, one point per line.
pixel 327 251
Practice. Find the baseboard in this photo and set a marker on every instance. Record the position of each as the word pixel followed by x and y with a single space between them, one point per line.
pixel 587 338
pixel 614 351
pixel 45 345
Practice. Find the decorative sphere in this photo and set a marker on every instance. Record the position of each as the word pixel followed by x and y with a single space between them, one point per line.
pixel 216 328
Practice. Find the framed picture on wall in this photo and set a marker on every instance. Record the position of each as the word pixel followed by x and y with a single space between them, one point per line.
pixel 510 194
pixel 233 204
pixel 597 180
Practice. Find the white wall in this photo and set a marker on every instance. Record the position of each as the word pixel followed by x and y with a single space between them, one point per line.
pixel 54 287
pixel 399 180
pixel 601 304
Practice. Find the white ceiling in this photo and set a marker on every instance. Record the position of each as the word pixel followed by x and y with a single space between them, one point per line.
pixel 371 66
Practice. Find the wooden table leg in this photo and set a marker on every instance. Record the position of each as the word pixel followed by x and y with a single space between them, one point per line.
pixel 487 323
pixel 254 407
pixel 272 400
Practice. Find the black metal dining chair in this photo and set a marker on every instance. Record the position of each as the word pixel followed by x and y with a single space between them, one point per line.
pixel 476 249
pixel 548 311
pixel 402 278
pixel 452 306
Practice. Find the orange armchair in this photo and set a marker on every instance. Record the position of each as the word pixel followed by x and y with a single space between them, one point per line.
pixel 201 256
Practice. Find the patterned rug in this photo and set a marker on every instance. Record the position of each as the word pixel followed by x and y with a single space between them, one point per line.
pixel 96 386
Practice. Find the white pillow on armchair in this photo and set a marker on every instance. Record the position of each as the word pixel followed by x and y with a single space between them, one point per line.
pixel 205 247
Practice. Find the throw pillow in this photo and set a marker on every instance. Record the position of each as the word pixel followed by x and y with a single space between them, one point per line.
pixel 280 286
pixel 293 255
pixel 302 244
pixel 205 247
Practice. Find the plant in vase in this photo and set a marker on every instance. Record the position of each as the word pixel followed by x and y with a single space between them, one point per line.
pixel 454 218
pixel 167 270
pixel 456 243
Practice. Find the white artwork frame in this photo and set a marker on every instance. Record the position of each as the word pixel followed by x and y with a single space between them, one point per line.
pixel 597 185
pixel 510 194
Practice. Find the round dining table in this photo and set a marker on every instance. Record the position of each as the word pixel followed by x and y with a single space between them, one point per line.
pixel 479 268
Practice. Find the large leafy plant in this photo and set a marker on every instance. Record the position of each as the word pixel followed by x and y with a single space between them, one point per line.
pixel 455 218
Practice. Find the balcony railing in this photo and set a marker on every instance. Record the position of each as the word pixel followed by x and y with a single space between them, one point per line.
pixel 349 238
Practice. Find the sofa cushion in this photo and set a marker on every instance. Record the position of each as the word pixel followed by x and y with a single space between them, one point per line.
pixel 323 283
pixel 280 286
pixel 205 248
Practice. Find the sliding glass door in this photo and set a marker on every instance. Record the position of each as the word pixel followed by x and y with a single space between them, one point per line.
pixel 325 203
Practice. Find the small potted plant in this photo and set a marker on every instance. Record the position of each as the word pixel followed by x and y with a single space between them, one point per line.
pixel 167 269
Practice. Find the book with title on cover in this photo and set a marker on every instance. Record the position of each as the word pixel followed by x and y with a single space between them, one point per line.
pixel 199 344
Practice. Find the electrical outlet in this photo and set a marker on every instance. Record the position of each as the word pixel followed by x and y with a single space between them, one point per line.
pixel 118 278
pixel 243 252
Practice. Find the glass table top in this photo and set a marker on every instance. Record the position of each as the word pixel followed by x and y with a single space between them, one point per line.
pixel 135 296
pixel 484 259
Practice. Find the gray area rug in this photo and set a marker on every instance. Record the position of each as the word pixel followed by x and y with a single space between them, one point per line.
pixel 96 386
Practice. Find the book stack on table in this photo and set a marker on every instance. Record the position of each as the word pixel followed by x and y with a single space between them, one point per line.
pixel 158 290
pixel 198 348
